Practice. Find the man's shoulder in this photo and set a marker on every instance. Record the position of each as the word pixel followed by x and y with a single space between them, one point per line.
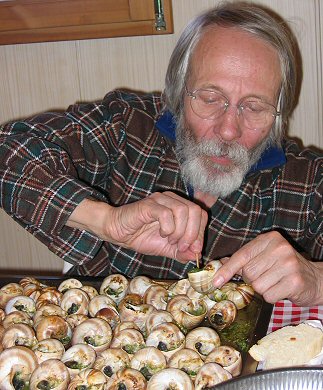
pixel 303 164
pixel 123 99
pixel 298 155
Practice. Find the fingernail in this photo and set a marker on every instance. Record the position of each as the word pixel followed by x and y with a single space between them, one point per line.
pixel 218 281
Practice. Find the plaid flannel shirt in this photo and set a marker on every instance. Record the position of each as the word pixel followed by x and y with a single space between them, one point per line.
pixel 113 152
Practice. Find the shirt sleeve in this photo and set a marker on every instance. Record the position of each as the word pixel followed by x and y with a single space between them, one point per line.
pixel 48 165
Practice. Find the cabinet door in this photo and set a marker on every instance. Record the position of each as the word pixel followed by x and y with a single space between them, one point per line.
pixel 23 21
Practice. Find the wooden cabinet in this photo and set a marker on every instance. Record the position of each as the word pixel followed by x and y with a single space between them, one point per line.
pixel 23 21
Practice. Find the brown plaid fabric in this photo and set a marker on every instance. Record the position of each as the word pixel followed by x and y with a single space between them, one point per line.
pixel 112 151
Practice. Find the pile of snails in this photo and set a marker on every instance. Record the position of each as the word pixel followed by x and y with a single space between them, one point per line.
pixel 127 334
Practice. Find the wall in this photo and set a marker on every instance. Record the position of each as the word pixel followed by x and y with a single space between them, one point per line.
pixel 44 76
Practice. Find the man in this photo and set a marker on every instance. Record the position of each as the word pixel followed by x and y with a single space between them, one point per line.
pixel 145 184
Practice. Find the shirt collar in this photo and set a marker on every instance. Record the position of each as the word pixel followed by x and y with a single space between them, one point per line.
pixel 271 157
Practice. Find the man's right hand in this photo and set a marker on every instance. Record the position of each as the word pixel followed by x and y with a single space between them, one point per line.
pixel 163 224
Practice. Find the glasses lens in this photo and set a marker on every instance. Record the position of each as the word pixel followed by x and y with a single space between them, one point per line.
pixel 257 114
pixel 208 104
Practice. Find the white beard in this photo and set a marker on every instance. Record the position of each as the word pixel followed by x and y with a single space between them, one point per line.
pixel 205 175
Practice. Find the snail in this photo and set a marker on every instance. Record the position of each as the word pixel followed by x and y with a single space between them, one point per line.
pixel 210 374
pixel 203 340
pixel 187 313
pixel 148 361
pixel 95 332
pixel 9 291
pixel 240 294
pixel 48 349
pixel 114 286
pixel 167 337
pixel 111 360
pixel 170 378
pixel 75 301
pixel 228 357
pixel 130 340
pixel 222 314
pixel 201 279
pixel 78 357
pixel 186 360
pixel 50 374
pixel 127 379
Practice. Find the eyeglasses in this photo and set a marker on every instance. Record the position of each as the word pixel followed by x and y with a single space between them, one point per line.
pixel 254 113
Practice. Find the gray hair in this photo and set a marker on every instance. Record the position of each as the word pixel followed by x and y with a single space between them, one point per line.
pixel 255 19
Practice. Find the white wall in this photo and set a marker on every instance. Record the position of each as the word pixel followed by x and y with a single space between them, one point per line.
pixel 43 76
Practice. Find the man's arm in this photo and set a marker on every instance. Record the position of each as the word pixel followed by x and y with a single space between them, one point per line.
pixel 163 224
pixel 276 271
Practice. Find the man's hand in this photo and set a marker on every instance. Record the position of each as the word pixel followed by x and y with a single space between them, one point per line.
pixel 163 224
pixel 275 270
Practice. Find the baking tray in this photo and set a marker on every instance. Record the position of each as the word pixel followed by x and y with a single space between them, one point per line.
pixel 258 312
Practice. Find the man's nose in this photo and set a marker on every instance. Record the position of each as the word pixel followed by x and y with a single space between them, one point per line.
pixel 228 126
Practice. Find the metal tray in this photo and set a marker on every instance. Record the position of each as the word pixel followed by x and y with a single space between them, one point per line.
pixel 258 312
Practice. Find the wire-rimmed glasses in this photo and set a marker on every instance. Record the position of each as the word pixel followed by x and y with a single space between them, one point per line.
pixel 253 112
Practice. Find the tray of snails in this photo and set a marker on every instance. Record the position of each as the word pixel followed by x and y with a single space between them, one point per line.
pixel 113 333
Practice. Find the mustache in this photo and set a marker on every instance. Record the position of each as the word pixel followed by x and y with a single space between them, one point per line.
pixel 218 148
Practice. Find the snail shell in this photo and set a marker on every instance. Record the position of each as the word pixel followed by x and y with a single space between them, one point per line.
pixel 99 302
pixel 78 357
pixel 125 325
pixel 228 358
pixel 21 303
pixel 48 310
pixel 95 332
pixel 49 296
pixel 170 378
pixel 222 314
pixel 148 361
pixel 17 317
pixel 127 379
pixel 240 294
pixel 19 334
pixel 111 360
pixel 156 318
pixel 139 285
pixel 69 283
pixel 76 319
pixel 166 337
pixel 180 287
pixel 88 379
pixel 54 327
pixel 130 340
pixel 156 296
pixel 210 374
pixel 9 291
pixel 31 280
pixel 186 360
pixel 114 286
pixel 195 295
pixel 75 301
pixel 109 314
pixel 203 340
pixel 186 312
pixel 50 374
pixel 202 280
pixel 132 309
pixel 90 290
pixel 16 366
pixel 48 349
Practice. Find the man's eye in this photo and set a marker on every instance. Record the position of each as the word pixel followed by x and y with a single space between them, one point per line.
pixel 211 99
pixel 254 106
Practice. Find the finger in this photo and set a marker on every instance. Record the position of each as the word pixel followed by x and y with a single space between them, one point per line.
pixel 189 221
pixel 249 259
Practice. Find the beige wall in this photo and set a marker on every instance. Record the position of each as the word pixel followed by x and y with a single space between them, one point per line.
pixel 37 77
